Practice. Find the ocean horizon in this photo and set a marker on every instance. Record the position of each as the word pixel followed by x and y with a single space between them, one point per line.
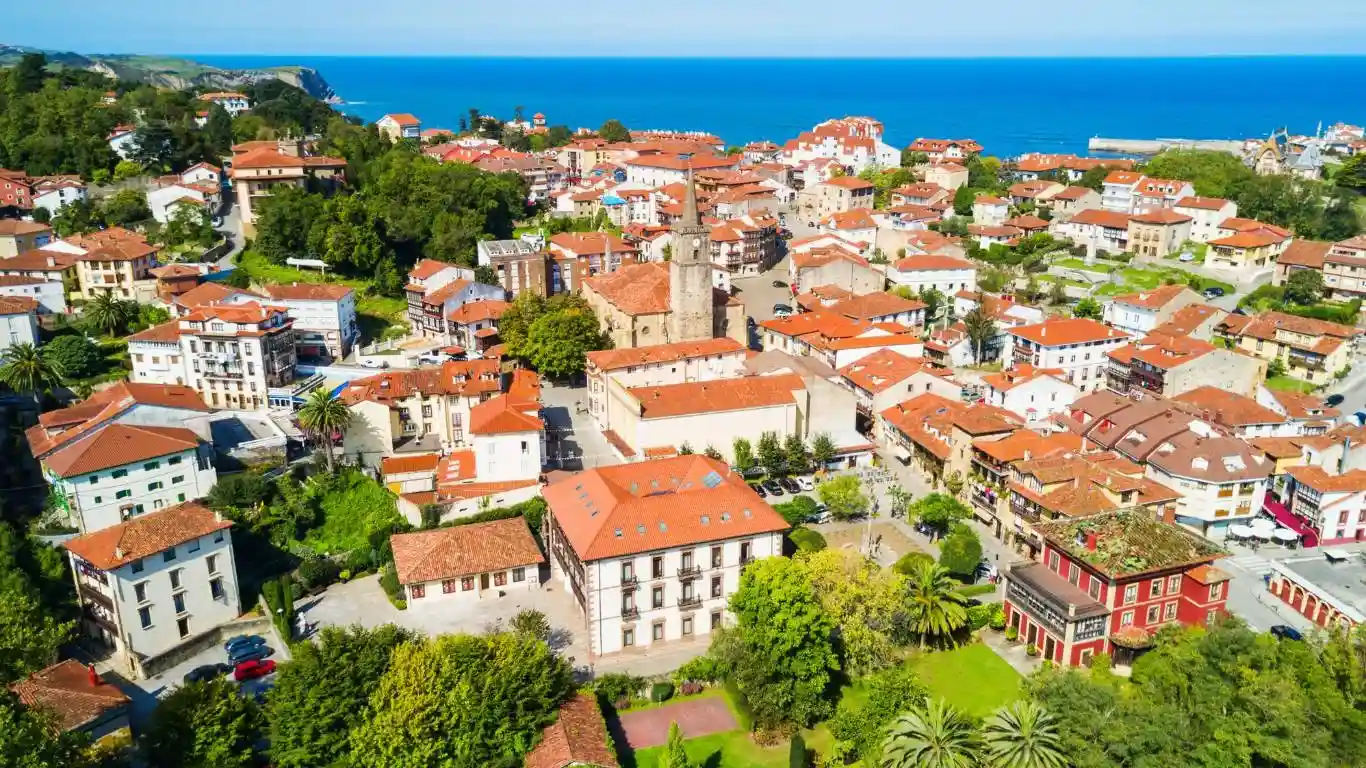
pixel 1009 105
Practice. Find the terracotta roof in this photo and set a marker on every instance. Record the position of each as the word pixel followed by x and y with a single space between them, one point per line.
pixel 439 295
pixel 113 244
pixel 1023 444
pixel 71 693
pixel 1351 481
pixel 1236 224
pixel 1216 459
pixel 654 505
pixel 859 218
pixel 1101 217
pixel 146 535
pixel 400 465
pixel 679 163
pixel 478 311
pixel 174 270
pixel 210 293
pixel 1305 253
pixel 591 243
pixel 307 291
pixel 468 378
pixel 1075 193
pixel 428 268
pixel 885 369
pixel 577 738
pixel 1298 405
pixel 1161 216
pixel 1265 325
pixel 615 359
pixel 1229 408
pixel 1154 299
pixel 1208 574
pixel 505 414
pixel 1202 203
pixel 36 260
pixel 1254 239
pixel 1026 222
pixel 1056 332
pixel 1123 177
pixel 930 262
pixel 1020 374
pixel 119 444
pixel 716 396
pixel 16 227
pixel 464 550
pixel 166 333
pixel 849 182
pixel 403 118
pixel 17 305
pixel 1186 319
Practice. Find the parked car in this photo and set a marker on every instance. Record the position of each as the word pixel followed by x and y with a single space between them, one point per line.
pixel 207 672
pixel 773 487
pixel 759 489
pixel 1213 293
pixel 782 310
pixel 1286 632
pixel 1187 256
pixel 806 483
pixel 1333 401
pixel 790 485
pixel 1360 417
pixel 250 670
pixel 374 363
pixel 779 284
pixel 249 653
pixel 431 359
pixel 242 641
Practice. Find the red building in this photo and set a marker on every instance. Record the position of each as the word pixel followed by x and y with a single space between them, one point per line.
pixel 1107 582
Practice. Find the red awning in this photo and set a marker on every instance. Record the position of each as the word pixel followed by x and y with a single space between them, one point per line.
pixel 1309 536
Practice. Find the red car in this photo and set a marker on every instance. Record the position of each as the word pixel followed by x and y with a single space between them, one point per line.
pixel 250 670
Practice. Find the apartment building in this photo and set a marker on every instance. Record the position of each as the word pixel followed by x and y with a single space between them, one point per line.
pixel 990 472
pixel 1206 214
pixel 1344 267
pixel 885 378
pixel 1171 365
pixel 1222 480
pixel 942 273
pixel 111 261
pixel 324 317
pixel 936 433
pixel 1140 313
pixel 612 370
pixel 842 193
pixel 18 236
pixel 1158 233
pixel 1033 394
pixel 835 339
pixel 1108 582
pixel 1076 346
pixel 652 551
pixel 235 354
pixel 1330 505
pixel 1311 350
pixel 259 167
pixel 1102 229
pixel 520 266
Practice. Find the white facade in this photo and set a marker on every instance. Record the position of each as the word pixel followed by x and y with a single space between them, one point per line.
pixel 49 295
pixel 160 603
pixel 233 103
pixel 18 328
pixel 991 213
pixel 164 202
pixel 716 429
pixel 1205 221
pixel 324 322
pixel 1035 400
pixel 1207 507
pixel 1082 363
pixel 444 594
pixel 156 362
pixel 508 456
pixel 59 197
pixel 726 365
pixel 1130 318
pixel 122 143
pixel 667 607
pixel 947 281
pixel 98 500
pixel 1119 195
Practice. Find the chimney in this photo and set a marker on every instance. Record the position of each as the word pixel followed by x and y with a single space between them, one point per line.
pixel 93 676
pixel 1346 449
pixel 1169 515
pixel 52 261
pixel 1091 539
pixel 118 553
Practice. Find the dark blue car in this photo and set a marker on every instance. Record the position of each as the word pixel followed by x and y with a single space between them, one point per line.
pixel 1286 632
pixel 249 653
pixel 242 641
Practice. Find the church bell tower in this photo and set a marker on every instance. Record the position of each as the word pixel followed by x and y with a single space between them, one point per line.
pixel 690 282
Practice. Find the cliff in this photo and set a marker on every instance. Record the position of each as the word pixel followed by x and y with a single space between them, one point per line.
pixel 171 72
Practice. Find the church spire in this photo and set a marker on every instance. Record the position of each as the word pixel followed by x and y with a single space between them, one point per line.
pixel 690 216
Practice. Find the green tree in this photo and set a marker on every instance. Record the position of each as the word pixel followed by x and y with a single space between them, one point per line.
pixel 324 415
pixel 127 169
pixel 1022 735
pixel 934 301
pixel 76 356
pixel 899 501
pixel 284 222
pixel 1214 174
pixel 77 217
pixel 108 313
pixel 675 754
pixel 1305 286
pixel 780 653
pixel 517 319
pixel 1057 294
pixel 823 450
pixel 862 721
pixel 935 609
pixel 844 496
pixel 1275 368
pixel 1352 173
pixel 125 208
pixel 31 739
pixel 1088 308
pixel 28 74
pixel 939 511
pixel 614 131
pixel 29 635
pixel 461 701
pixel 963 200
pixel 744 454
pixel 218 130
pixel 771 456
pixel 557 343
pixel 795 452
pixel 864 600
pixel 960 552
pixel 323 693
pixel 1094 178
pixel 980 327
pixel 685 449
pixel 931 736
pixel 203 725
pixel 911 158
pixel 24 369
pixel 711 452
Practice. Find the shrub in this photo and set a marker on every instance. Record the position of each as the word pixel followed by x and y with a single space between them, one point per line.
pixel 998 617
pixel 618 686
pixel 973 590
pixel 661 692
pixel 388 581
pixel 358 560
pixel 1031 650
pixel 531 622
pixel 1101 661
pixel 704 668
pixel 906 565
pixel 317 572
pixel 691 688
pixel 744 715
pixel 1012 634
pixel 796 511
pixel 345 575
pixel 979 616
pixel 807 540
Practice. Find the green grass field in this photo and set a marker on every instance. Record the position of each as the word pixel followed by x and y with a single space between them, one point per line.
pixel 376 315
pixel 1075 263
pixel 1289 384
pixel 972 678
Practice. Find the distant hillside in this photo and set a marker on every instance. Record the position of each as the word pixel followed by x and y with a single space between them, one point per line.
pixel 174 73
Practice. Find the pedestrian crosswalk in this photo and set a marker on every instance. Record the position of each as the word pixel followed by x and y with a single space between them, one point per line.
pixel 1250 562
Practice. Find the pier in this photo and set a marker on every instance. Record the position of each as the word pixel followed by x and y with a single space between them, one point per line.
pixel 1154 146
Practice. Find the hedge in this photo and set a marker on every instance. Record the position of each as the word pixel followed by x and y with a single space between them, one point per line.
pixel 744 716
pixel 973 590
pixel 807 540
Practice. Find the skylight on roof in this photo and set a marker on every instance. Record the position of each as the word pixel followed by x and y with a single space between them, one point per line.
pixel 640 528
pixel 712 479
pixel 706 519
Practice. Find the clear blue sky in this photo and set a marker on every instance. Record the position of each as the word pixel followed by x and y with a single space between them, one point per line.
pixel 910 28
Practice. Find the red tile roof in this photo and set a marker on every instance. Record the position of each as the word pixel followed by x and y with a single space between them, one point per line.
pixel 15 227
pixel 308 291
pixel 166 333
pixel 1154 299
pixel 17 305
pixel 662 504
pixel 146 535
pixel 1305 253
pixel 505 414
pixel 403 118
pixel 464 550
pixel 117 445
pixel 578 738
pixel 428 268
pixel 1077 330
pixel 71 693
pixel 885 369
pixel 467 378
pixel 1253 239
pixel 1161 216
pixel 478 311
pixel 849 182
pixel 402 465
pixel 615 359
pixel 210 293
pixel 37 260
pixel 1202 203
pixel 716 396
pixel 1104 218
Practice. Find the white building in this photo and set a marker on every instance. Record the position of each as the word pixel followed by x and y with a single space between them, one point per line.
pixel 990 211
pixel 18 321
pixel 1206 214
pixel 652 551
pixel 1222 480
pixel 1077 346
pixel 1139 313
pixel 156 355
pixel 885 378
pixel 400 126
pixel 122 140
pixel 324 317
pixel 611 371
pixel 153 583
pixel 1105 230
pixel 57 194
pixel 164 202
pixel 50 296
pixel 232 102
pixel 447 567
pixel 942 273
pixel 235 354
pixel 1031 393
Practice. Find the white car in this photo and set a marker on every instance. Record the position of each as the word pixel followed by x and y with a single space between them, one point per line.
pixel 1188 256
pixel 373 363
pixel 806 483
pixel 431 359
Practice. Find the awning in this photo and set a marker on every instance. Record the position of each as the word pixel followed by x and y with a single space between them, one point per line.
pixel 1283 515
pixel 901 453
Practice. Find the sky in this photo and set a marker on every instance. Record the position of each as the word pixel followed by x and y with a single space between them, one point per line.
pixel 795 28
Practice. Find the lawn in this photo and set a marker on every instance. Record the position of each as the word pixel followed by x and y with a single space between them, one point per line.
pixel 378 316
pixel 1289 384
pixel 1137 279
pixel 972 678
pixel 722 750
pixel 1075 263
pixel 350 513
pixel 1064 281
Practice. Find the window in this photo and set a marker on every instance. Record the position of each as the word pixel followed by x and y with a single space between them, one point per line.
pixel 168 555
pixel 1211 616
pixel 216 589
pixel 716 557
pixel 1093 589
pixel 657 597
pixel 1074 574
pixel 628 570
pixel 1126 619
pixel 1086 657
pixel 94 479
pixel 687 560
pixel 119 473
pixel 1173 583
pixel 1155 589
pixel 500 579
pixel 418 591
pixel 628 637
pixel 657 567
pixel 140 592
pixel 1169 611
pixel 178 599
pixel 193 546
pixel 687 626
pixel 518 575
pixel 177 479
pixel 174 460
pixel 1053 561
pixel 123 494
pixel 99 499
pixel 1216 591
pixel 716 586
pixel 715 619
pixel 466 583
pixel 447 586
pixel 181 497
pixel 145 616
pixel 137 566
pixel 217 536
pixel 154 486
pixel 1131 594
pixel 1152 614
pixel 182 625
pixel 151 465
pixel 175 579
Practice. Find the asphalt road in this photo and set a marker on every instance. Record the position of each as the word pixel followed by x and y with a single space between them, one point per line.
pixel 232 229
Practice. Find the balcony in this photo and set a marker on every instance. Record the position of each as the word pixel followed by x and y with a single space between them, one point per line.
pixel 629 582
pixel 1301 360
pixel 687 602
pixel 630 614
pixel 690 572
pixel 984 501
pixel 101 616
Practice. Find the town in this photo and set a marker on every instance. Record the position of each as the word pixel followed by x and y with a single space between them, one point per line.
pixel 517 444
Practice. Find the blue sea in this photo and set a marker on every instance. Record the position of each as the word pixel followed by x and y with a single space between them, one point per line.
pixel 1010 106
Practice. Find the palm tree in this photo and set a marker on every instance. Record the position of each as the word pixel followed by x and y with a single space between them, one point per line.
pixel 980 328
pixel 934 606
pixel 930 736
pixel 1022 735
pixel 108 313
pixel 24 369
pixel 324 414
